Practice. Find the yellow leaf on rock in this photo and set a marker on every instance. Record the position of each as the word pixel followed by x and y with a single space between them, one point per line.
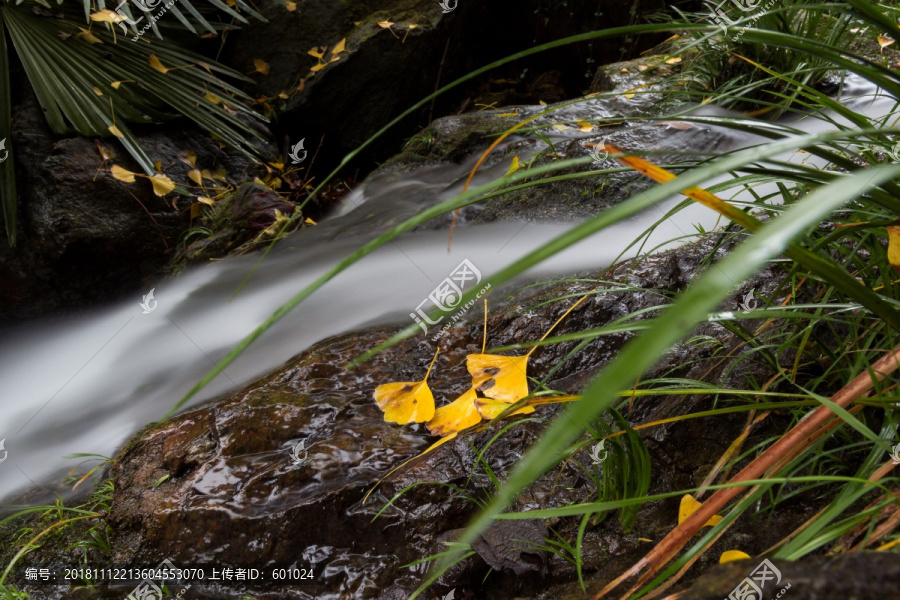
pixel 456 416
pixel 317 67
pixel 261 66
pixel 154 63
pixel 407 401
pixel 689 506
pixel 317 52
pixel 732 555
pixel 894 246
pixel 205 200
pixel 509 114
pixel 585 126
pixel 189 158
pixel 623 70
pixel 122 174
pixel 291 6
pixel 490 409
pixel 309 221
pixel 162 185
pixel 514 166
pixel 559 127
pixel 115 131
pixel 884 42
pixel 499 377
pixel 341 46
pixel 674 60
pixel 385 24
pixel 195 176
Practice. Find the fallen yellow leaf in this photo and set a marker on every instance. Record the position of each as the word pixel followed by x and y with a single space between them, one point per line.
pixel 188 158
pixel 585 126
pixel 317 67
pixel 689 506
pixel 154 63
pixel 195 176
pixel 341 46
pixel 499 377
pixel 732 555
pixel 490 409
pixel 261 66
pixel 456 416
pixel 122 174
pixel 674 60
pixel 89 37
pixel 509 114
pixel 205 200
pixel 309 221
pixel 894 246
pixel 115 131
pixel 97 91
pixel 884 41
pixel 211 98
pixel 291 6
pixel 162 185
pixel 514 166
pixel 407 401
pixel 107 16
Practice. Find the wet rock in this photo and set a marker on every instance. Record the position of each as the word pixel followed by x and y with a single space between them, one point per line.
pixel 385 70
pixel 85 237
pixel 235 482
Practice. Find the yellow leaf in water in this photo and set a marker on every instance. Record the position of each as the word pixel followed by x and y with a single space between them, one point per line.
pixel 89 37
pixel 585 126
pixel 732 555
pixel 674 60
pixel 261 66
pixel 884 41
pixel 894 246
pixel 122 174
pixel 514 166
pixel 407 401
pixel 162 185
pixel 509 114
pixel 115 131
pixel 291 6
pixel 499 377
pixel 205 200
pixel 317 51
pixel 689 506
pixel 341 46
pixel 195 176
pixel 154 63
pixel 456 416
pixel 490 409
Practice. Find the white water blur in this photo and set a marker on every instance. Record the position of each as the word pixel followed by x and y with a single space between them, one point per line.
pixel 87 384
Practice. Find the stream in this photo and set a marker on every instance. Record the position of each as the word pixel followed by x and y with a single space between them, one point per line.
pixel 86 384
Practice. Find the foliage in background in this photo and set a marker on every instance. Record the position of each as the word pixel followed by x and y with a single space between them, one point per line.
pixel 90 78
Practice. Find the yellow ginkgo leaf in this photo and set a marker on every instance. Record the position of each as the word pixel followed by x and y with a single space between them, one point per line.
pixel 162 185
pixel 732 555
pixel 122 174
pixel 585 126
pixel 883 41
pixel 189 158
pixel 309 221
pixel 490 409
pixel 894 246
pixel 385 24
pixel 514 166
pixel 689 506
pixel 341 46
pixel 115 131
pixel 115 84
pixel 195 176
pixel 89 37
pixel 212 98
pixel 674 60
pixel 261 66
pixel 107 16
pixel 456 416
pixel 206 200
pixel 561 127
pixel 509 114
pixel 499 377
pixel 317 52
pixel 407 401
pixel 154 62
pixel 317 67
pixel 97 91
pixel 291 6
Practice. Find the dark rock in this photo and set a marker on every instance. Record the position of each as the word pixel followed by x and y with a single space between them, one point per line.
pixel 85 237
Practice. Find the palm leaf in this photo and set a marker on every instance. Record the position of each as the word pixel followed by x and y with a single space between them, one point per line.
pixel 7 167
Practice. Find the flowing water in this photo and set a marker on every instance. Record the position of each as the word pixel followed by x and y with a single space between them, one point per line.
pixel 86 384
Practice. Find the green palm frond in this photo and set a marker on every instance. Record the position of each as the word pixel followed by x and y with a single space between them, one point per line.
pixel 94 80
